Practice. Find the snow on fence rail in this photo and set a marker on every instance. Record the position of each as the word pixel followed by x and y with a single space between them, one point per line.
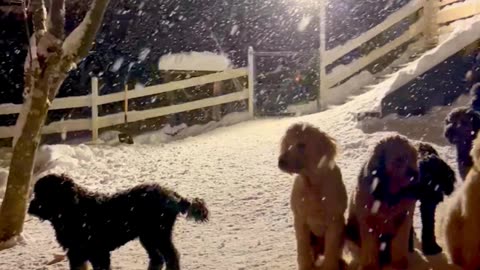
pixel 94 100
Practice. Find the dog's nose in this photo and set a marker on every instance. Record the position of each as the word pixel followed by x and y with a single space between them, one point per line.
pixel 282 163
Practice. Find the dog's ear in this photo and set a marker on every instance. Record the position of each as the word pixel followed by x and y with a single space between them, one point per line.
pixel 475 152
pixel 375 173
pixel 377 163
pixel 328 146
pixel 475 118
pixel 67 190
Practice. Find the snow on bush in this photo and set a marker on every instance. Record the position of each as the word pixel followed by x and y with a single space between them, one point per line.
pixel 61 158
pixel 199 61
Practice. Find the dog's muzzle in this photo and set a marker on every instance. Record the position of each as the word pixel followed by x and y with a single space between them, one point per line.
pixel 282 163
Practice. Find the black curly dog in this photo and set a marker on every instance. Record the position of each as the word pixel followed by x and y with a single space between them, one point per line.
pixel 90 225
pixel 437 179
pixel 461 128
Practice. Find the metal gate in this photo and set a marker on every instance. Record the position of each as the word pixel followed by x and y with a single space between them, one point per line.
pixel 281 79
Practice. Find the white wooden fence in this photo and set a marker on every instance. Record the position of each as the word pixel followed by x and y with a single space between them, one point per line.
pixel 435 13
pixel 94 100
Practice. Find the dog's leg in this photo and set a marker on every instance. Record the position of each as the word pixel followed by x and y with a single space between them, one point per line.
pixel 77 260
pixel 333 246
pixel 170 254
pixel 156 258
pixel 454 236
pixel 411 242
pixel 369 249
pixel 429 243
pixel 305 258
pixel 100 260
pixel 399 247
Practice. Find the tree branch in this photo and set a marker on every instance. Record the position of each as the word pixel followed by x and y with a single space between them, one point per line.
pixel 79 42
pixel 56 18
pixel 39 17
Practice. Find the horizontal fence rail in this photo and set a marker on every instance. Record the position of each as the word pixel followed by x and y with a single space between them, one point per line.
pixel 396 17
pixel 459 11
pixel 433 15
pixel 96 122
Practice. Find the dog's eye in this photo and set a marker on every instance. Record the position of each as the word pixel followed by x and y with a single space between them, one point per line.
pixel 301 147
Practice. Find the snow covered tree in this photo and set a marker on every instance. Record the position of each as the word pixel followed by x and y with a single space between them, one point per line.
pixel 51 56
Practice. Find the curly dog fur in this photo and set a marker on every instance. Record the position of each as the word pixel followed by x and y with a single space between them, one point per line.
pixel 461 127
pixel 462 224
pixel 475 97
pixel 379 220
pixel 90 225
pixel 437 179
pixel 319 197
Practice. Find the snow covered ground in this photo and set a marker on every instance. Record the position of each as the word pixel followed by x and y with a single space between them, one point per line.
pixel 234 169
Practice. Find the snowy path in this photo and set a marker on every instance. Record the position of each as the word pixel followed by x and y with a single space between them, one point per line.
pixel 234 169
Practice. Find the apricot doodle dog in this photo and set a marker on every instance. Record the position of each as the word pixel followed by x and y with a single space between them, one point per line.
pixel 90 225
pixel 462 223
pixel 379 220
pixel 319 197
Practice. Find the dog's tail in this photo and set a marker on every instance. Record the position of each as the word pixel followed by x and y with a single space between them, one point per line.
pixel 195 209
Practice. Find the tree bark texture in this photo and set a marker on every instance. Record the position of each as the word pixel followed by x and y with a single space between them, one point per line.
pixel 48 66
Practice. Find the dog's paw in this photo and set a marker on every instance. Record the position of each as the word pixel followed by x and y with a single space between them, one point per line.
pixel 431 249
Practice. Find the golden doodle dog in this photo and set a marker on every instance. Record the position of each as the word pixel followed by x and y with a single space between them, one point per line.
pixel 319 197
pixel 462 222
pixel 379 218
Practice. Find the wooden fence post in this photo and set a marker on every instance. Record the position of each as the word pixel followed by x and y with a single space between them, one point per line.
pixel 251 82
pixel 94 97
pixel 322 19
pixel 430 14
pixel 217 110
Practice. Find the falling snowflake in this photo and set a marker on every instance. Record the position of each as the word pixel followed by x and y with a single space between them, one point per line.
pixel 304 22
pixel 116 66
pixel 374 185
pixel 375 207
pixel 64 130
pixel 234 30
pixel 322 161
pixel 143 54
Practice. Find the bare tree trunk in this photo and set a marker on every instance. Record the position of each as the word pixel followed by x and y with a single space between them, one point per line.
pixel 12 212
pixel 48 65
